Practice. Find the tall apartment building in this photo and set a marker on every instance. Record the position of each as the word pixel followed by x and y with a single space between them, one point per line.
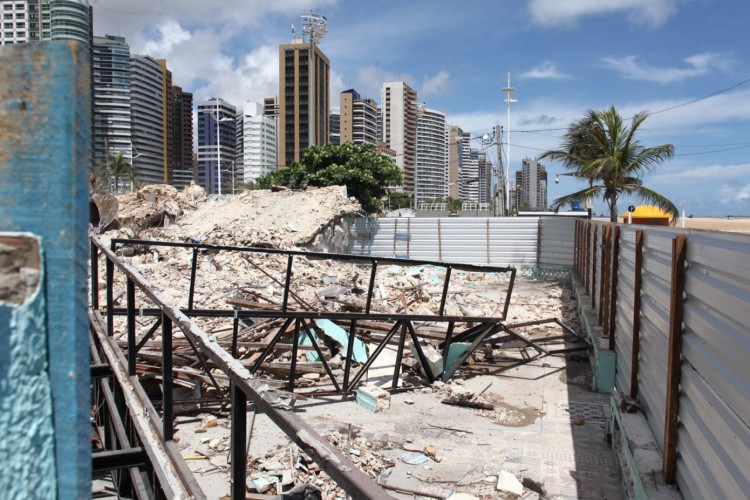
pixel 147 120
pixel 40 20
pixel 431 181
pixel 531 186
pixel 167 121
pixel 259 141
pixel 216 145
pixel 334 135
pixel 484 172
pixel 455 159
pixel 359 118
pixel 184 169
pixel 304 89
pixel 111 99
pixel 400 110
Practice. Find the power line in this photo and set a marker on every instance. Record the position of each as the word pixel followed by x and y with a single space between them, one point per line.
pixel 700 98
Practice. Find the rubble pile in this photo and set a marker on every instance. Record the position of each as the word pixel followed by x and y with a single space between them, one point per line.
pixel 260 218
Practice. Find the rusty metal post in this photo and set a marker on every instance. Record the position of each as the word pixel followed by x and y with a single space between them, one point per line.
pixel 634 360
pixel 613 289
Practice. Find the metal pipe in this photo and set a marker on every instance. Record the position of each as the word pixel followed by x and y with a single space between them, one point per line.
pixel 166 378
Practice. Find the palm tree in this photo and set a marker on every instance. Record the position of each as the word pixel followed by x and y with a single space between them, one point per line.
pixel 115 168
pixel 603 150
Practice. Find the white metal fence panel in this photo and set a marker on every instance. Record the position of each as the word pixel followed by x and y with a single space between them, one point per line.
pixel 557 241
pixel 624 310
pixel 495 240
pixel 654 337
pixel 714 436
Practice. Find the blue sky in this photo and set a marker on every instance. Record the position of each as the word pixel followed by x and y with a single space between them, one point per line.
pixel 564 56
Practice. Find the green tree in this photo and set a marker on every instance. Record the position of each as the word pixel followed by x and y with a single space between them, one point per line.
pixel 115 168
pixel 363 171
pixel 603 150
pixel 453 205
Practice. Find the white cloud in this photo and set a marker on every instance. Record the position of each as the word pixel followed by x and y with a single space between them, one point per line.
pixel 566 13
pixel 743 194
pixel 170 35
pixel 436 85
pixel 697 65
pixel 545 71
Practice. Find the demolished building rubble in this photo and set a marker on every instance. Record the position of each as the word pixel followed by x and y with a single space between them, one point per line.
pixel 314 354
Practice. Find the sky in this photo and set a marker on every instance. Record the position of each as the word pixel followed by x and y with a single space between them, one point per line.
pixel 685 61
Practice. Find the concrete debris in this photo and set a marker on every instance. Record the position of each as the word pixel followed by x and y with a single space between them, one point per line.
pixel 373 398
pixel 509 483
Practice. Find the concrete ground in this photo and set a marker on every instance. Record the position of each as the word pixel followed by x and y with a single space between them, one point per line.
pixel 547 429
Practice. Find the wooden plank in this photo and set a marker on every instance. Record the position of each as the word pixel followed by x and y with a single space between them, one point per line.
pixel 594 248
pixel 636 313
pixel 587 261
pixel 604 282
pixel 674 364
pixel 613 291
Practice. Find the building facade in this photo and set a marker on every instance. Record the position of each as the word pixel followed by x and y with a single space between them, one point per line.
pixel 304 103
pixel 531 186
pixel 400 110
pixel 359 118
pixel 111 100
pixel 42 20
pixel 334 135
pixel 431 181
pixel 216 145
pixel 182 145
pixel 147 119
pixel 259 141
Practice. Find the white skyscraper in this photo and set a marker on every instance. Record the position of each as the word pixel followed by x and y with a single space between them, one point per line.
pixel 432 156
pixel 259 141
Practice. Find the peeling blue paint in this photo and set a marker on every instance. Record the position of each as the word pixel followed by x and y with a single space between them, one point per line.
pixel 44 167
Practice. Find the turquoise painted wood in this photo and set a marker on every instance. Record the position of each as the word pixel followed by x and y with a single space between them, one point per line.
pixel 44 169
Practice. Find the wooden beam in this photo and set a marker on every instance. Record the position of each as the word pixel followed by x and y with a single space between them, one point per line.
pixel 594 247
pixel 586 261
pixel 636 314
pixel 605 279
pixel 613 290
pixel 674 366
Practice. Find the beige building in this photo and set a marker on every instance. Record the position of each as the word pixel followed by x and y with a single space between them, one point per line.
pixel 400 110
pixel 304 89
pixel 359 118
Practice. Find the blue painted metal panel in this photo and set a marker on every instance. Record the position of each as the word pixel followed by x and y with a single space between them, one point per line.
pixel 44 167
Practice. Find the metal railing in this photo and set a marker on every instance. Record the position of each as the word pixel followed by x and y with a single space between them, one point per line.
pixel 243 385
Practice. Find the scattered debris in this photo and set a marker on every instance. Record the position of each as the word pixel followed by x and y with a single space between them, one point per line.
pixel 509 483
pixel 373 398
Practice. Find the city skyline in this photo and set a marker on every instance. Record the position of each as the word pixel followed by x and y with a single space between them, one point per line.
pixel 564 57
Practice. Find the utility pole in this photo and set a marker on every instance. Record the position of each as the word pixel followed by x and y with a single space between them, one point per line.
pixel 500 171
pixel 509 100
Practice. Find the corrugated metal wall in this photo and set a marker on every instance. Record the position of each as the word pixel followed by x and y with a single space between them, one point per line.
pixel 556 247
pixel 655 292
pixel 624 309
pixel 713 436
pixel 713 439
pixel 475 240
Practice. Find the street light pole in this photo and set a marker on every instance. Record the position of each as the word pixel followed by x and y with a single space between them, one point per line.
pixel 509 91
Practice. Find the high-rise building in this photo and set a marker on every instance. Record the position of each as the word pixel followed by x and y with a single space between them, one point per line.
pixel 216 145
pixel 42 20
pixel 167 121
pixel 432 156
pixel 259 138
pixel 334 135
pixel 455 159
pixel 111 100
pixel 182 144
pixel 147 119
pixel 400 110
pixel 485 178
pixel 304 88
pixel 359 118
pixel 531 186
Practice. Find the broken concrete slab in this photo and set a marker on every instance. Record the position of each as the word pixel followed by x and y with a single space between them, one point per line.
pixel 442 473
pixel 509 483
pixel 373 398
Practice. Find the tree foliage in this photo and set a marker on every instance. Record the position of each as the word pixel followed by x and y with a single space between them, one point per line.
pixel 603 150
pixel 115 168
pixel 363 171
